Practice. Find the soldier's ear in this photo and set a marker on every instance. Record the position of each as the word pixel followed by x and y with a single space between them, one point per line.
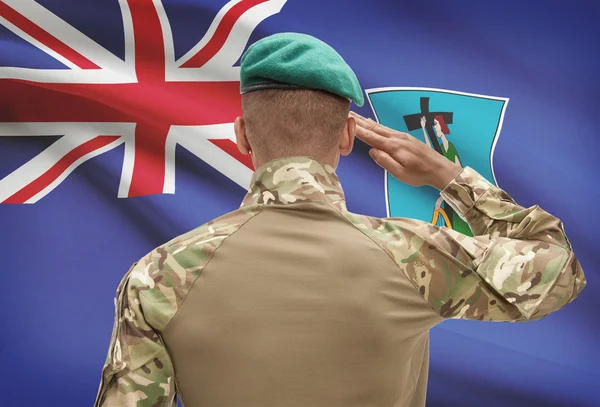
pixel 347 139
pixel 239 127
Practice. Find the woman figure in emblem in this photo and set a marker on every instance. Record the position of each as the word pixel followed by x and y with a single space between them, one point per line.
pixel 442 208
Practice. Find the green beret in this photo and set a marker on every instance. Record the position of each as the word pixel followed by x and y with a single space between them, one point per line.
pixel 297 61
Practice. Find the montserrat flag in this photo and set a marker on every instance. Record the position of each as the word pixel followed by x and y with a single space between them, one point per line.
pixel 116 135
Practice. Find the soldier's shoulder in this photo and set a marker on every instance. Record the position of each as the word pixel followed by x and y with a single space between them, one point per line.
pixel 216 229
pixel 398 237
pixel 192 249
pixel 387 229
pixel 165 275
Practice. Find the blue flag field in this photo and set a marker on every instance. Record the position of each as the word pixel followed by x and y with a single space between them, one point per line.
pixel 116 135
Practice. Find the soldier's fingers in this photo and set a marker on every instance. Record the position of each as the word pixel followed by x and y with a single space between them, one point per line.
pixel 377 127
pixel 374 139
pixel 387 162
pixel 365 123
pixel 360 120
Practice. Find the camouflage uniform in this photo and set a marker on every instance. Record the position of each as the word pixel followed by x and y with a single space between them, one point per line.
pixel 293 300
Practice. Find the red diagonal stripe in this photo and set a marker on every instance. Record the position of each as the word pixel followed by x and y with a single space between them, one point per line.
pixel 57 169
pixel 223 30
pixel 45 37
pixel 232 149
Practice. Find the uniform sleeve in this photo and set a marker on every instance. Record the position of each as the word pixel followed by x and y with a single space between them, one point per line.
pixel 518 266
pixel 138 370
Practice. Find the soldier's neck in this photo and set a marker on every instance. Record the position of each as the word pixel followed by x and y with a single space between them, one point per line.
pixel 331 159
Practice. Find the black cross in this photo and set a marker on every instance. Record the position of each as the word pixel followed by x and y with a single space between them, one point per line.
pixel 413 122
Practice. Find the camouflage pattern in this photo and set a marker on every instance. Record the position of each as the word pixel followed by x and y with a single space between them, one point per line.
pixel 295 179
pixel 519 266
pixel 529 258
pixel 138 371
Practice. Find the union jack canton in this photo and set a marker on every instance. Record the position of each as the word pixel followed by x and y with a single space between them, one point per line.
pixel 148 101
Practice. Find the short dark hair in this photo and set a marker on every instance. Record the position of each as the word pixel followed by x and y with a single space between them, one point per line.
pixel 286 122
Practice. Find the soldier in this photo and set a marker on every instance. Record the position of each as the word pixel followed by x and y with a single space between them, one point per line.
pixel 292 300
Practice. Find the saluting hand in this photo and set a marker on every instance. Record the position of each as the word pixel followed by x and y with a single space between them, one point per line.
pixel 405 157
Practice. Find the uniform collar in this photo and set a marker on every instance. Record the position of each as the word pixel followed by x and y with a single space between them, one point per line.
pixel 294 179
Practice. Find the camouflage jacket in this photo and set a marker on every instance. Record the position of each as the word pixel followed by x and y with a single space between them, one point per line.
pixel 518 266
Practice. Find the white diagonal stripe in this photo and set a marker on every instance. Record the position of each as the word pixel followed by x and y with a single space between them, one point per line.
pixel 195 139
pixel 41 163
pixel 35 43
pixel 209 33
pixel 231 51
pixel 67 34
pixel 71 168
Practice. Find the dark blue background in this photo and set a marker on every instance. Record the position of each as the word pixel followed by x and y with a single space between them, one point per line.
pixel 64 256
